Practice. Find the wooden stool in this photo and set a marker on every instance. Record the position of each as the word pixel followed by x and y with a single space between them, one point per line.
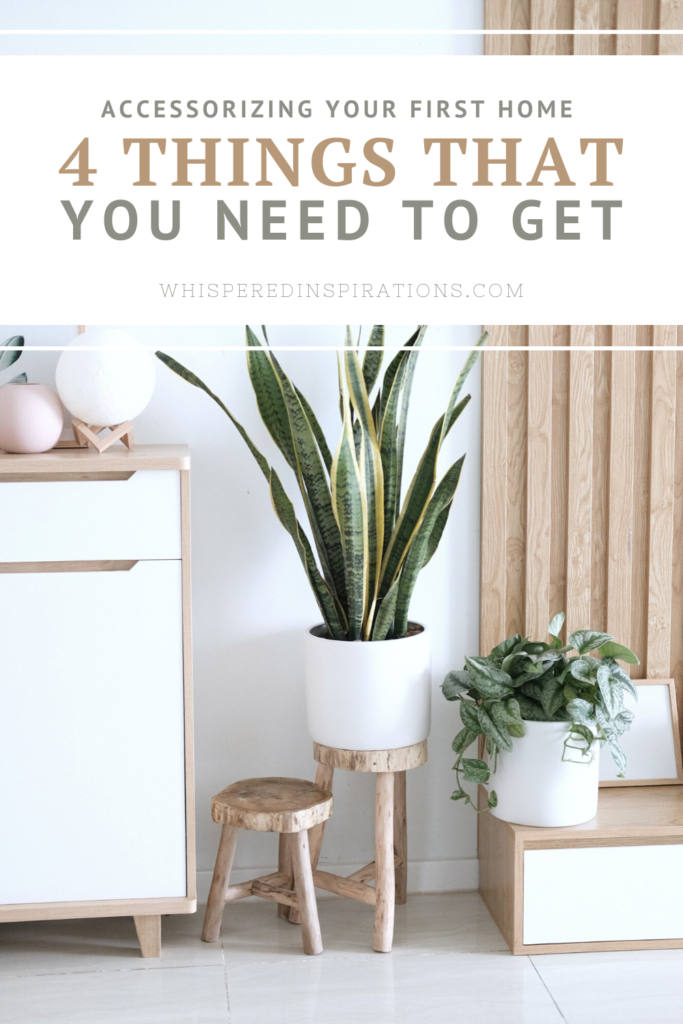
pixel 390 866
pixel 290 807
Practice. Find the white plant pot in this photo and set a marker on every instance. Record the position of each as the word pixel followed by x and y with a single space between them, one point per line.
pixel 535 786
pixel 368 695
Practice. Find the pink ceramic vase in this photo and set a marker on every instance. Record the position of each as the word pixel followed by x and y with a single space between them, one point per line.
pixel 31 418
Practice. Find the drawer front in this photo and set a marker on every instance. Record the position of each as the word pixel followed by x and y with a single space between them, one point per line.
pixel 92 751
pixel 603 894
pixel 89 520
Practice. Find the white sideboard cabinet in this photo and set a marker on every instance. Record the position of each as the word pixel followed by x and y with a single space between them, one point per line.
pixel 96 766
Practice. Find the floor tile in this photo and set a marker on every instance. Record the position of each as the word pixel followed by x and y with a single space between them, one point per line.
pixel 471 988
pixel 101 944
pixel 181 995
pixel 442 923
pixel 639 987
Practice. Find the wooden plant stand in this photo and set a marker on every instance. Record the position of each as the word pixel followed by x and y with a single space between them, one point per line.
pixel 390 866
pixel 290 807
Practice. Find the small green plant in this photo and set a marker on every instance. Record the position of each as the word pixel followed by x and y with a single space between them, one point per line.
pixel 14 346
pixel 370 545
pixel 523 679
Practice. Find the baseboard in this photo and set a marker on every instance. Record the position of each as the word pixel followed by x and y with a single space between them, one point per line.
pixel 423 876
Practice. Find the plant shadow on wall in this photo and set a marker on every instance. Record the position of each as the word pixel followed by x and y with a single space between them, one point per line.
pixel 370 547
pixel 525 685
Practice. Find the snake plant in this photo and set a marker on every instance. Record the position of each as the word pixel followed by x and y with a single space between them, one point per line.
pixel 10 357
pixel 370 547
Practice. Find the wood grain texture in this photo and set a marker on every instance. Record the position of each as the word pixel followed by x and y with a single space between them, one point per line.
pixel 677 560
pixel 621 472
pixel 496 848
pixel 106 565
pixel 400 837
pixel 85 460
pixel 399 759
pixel 148 928
pixel 70 909
pixel 600 519
pixel 497 15
pixel 539 482
pixel 515 549
pixel 557 582
pixel 662 470
pixel 642 440
pixel 344 887
pixel 629 16
pixel 219 884
pixel 670 17
pixel 188 693
pixel 385 878
pixel 586 16
pixel 493 490
pixel 580 480
pixel 543 16
pixel 272 804
pixel 324 777
pixel 308 910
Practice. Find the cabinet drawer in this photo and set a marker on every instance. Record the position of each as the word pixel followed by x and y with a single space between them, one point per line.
pixel 89 520
pixel 603 894
pixel 92 752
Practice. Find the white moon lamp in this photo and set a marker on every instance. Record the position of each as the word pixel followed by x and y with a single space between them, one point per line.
pixel 107 386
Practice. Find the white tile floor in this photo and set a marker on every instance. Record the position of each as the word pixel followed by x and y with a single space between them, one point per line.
pixel 450 965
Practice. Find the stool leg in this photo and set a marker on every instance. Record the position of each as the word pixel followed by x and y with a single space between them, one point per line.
pixel 219 884
pixel 401 835
pixel 385 881
pixel 303 876
pixel 323 780
pixel 284 865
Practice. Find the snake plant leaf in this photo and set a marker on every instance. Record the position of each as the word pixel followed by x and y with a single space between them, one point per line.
pixel 610 649
pixel 270 398
pixel 14 346
pixel 395 364
pixel 317 431
pixel 405 405
pixel 351 516
pixel 20 378
pixel 385 615
pixel 371 476
pixel 284 510
pixel 391 395
pixel 437 532
pixel 417 553
pixel 372 360
pixel 313 483
pixel 193 379
pixel 450 416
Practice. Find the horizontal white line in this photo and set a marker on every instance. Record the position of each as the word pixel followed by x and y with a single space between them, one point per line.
pixel 342 348
pixel 340 32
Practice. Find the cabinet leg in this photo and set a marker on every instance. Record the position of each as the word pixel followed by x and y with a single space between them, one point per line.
pixel 284 864
pixel 308 910
pixel 219 884
pixel 323 779
pixel 385 881
pixel 148 928
pixel 401 836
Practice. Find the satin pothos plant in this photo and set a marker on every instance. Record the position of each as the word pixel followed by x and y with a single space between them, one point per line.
pixel 370 544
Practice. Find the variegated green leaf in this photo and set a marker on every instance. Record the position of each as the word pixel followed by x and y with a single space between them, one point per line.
pixel 385 614
pixel 390 403
pixel 585 640
pixel 13 348
pixel 20 378
pixel 450 416
pixel 372 360
pixel 417 553
pixel 317 431
pixel 454 684
pixel 371 476
pixel 501 737
pixel 270 398
pixel 405 405
pixel 350 514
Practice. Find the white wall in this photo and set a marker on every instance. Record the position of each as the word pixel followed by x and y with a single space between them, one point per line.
pixel 252 601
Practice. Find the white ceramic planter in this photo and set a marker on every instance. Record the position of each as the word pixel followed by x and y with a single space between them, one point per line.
pixel 535 786
pixel 365 695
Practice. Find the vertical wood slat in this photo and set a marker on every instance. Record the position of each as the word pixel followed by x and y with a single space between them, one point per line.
pixel 629 16
pixel 670 17
pixel 600 516
pixel 580 480
pixel 586 16
pixel 557 591
pixel 622 444
pixel 515 552
pixel 543 16
pixel 539 482
pixel 662 469
pixel 677 559
pixel 494 401
pixel 640 546
pixel 497 15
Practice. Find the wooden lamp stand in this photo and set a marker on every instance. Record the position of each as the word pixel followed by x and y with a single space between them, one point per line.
pixel 85 434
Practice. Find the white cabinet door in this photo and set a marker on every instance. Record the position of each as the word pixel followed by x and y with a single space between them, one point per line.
pixel 92 761
pixel 84 520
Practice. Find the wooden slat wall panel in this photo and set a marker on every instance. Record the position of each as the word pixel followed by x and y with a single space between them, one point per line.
pixel 582 492
pixel 645 16
pixel 539 480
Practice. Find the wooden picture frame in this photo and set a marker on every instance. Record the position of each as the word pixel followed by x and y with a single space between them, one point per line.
pixel 655 724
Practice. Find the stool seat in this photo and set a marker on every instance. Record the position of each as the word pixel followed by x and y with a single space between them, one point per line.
pixel 272 805
pixel 396 759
